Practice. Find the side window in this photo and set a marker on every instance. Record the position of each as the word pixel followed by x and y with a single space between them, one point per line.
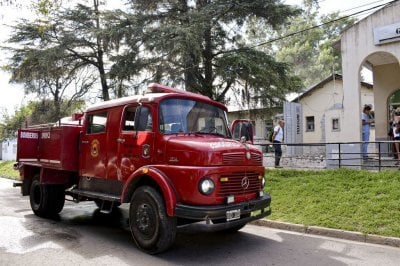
pixel 128 121
pixel 96 123
pixel 335 124
pixel 145 120
pixel 310 126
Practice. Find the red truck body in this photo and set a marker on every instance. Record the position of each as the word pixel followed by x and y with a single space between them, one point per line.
pixel 168 153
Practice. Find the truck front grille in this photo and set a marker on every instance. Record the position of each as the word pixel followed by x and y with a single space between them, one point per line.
pixel 240 157
pixel 257 158
pixel 232 183
pixel 233 157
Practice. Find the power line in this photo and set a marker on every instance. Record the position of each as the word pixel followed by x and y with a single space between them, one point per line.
pixel 362 6
pixel 317 26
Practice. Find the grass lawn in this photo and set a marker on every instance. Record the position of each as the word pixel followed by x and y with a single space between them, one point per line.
pixel 354 200
pixel 6 170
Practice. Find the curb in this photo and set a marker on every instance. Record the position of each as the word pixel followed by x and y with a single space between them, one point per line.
pixel 329 232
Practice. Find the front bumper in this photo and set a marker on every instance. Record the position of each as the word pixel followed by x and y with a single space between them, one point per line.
pixel 249 211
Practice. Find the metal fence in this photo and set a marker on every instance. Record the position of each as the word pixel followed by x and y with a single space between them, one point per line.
pixel 379 155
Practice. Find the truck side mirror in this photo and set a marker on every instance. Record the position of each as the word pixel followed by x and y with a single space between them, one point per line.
pixel 143 119
pixel 242 130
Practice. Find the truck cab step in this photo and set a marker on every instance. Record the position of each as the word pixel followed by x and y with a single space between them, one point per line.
pixel 78 194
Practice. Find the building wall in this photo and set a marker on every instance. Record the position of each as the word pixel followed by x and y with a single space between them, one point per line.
pixel 358 48
pixel 9 150
pixel 325 104
pixel 387 81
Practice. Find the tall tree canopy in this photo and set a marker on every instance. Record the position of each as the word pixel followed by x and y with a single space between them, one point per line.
pixel 65 37
pixel 198 44
pixel 312 53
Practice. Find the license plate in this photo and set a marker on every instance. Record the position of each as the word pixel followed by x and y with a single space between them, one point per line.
pixel 233 215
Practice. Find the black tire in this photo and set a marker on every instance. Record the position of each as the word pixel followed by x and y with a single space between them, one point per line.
pixel 46 200
pixel 152 229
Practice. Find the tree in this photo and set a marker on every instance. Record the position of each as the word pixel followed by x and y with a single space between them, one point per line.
pixel 50 72
pixel 311 53
pixel 74 33
pixel 197 44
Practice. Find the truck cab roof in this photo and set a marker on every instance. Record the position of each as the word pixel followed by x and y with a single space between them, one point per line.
pixel 154 93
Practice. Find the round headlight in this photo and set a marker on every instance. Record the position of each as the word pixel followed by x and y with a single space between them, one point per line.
pixel 206 186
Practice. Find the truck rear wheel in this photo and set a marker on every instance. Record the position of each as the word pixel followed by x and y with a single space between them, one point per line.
pixel 46 200
pixel 152 229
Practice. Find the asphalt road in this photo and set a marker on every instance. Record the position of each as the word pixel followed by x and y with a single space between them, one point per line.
pixel 84 236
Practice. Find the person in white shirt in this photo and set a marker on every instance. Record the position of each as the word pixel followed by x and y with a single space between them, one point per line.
pixel 366 126
pixel 277 138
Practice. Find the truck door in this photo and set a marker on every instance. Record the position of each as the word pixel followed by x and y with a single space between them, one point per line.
pixel 93 145
pixel 136 139
pixel 242 128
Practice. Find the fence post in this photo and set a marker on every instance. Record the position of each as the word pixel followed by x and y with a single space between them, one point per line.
pixel 379 156
pixel 340 157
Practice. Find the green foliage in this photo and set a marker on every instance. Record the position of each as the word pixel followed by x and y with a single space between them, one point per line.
pixel 309 50
pixel 6 170
pixel 11 124
pixel 353 200
pixel 198 44
pixel 53 50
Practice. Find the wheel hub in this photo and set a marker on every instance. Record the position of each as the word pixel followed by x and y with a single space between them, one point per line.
pixel 145 219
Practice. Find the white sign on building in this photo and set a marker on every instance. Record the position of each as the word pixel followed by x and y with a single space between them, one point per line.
pixel 387 34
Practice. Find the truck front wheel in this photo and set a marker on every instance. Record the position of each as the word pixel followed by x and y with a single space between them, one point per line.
pixel 46 200
pixel 152 229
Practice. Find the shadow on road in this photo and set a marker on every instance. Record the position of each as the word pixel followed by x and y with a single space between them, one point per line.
pixel 85 230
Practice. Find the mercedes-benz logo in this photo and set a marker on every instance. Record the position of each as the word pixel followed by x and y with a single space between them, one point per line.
pixel 245 182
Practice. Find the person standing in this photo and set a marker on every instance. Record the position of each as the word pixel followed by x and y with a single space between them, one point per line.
pixel 366 126
pixel 396 138
pixel 277 139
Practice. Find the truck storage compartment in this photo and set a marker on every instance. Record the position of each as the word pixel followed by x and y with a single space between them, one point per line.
pixel 50 147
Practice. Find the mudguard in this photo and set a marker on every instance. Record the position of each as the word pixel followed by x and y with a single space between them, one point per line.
pixel 165 184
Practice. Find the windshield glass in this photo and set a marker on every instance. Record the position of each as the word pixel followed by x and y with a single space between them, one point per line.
pixel 188 116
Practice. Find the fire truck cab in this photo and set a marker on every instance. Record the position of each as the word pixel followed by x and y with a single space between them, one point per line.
pixel 169 153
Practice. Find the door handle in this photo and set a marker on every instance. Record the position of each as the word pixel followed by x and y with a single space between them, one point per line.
pixel 85 141
pixel 120 140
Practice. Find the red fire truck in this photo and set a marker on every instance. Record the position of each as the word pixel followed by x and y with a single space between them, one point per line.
pixel 169 153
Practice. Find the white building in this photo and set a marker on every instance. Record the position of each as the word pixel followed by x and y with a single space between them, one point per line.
pixel 322 110
pixel 373 42
pixel 9 150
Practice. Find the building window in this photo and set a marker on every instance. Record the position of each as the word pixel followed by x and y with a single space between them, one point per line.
pixel 310 124
pixel 335 124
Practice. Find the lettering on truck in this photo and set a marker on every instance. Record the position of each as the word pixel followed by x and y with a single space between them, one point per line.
pixel 29 135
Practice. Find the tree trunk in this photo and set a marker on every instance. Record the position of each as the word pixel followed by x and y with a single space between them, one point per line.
pixel 100 54
pixel 208 70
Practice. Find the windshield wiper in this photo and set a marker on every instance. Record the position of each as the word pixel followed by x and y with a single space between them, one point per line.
pixel 209 133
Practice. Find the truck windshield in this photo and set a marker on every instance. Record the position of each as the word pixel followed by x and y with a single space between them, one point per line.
pixel 188 116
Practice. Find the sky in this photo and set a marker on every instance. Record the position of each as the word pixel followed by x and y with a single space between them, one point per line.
pixel 12 96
